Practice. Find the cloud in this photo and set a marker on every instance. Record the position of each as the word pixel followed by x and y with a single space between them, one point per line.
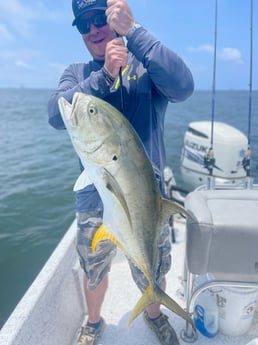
pixel 18 54
pixel 20 16
pixel 58 67
pixel 226 54
pixel 5 34
pixel 13 62
pixel 22 64
pixel 14 8
pixel 16 16
pixel 202 48
pixel 230 54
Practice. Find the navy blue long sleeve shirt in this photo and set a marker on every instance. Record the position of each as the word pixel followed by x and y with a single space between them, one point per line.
pixel 154 76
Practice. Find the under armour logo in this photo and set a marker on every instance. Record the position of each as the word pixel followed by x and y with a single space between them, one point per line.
pixel 133 77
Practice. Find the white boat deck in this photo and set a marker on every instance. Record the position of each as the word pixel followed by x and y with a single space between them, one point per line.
pixel 52 310
pixel 123 294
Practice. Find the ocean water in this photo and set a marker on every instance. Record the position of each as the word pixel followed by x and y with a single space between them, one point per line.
pixel 38 168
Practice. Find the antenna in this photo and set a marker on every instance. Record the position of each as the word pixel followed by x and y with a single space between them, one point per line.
pixel 209 159
pixel 247 159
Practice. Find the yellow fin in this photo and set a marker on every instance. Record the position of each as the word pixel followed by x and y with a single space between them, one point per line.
pixel 102 234
pixel 171 207
pixel 142 304
pixel 157 295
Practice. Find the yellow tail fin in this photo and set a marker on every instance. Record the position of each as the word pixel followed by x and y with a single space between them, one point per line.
pixel 156 295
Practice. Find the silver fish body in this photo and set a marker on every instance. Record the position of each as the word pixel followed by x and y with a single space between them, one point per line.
pixel 116 162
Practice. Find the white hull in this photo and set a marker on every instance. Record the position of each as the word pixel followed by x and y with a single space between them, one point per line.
pixel 53 308
pixel 52 311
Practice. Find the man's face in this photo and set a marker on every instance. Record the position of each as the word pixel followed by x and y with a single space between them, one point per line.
pixel 98 37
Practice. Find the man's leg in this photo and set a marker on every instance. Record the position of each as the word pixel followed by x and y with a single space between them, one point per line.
pixel 155 319
pixel 96 266
pixel 95 298
pixel 153 310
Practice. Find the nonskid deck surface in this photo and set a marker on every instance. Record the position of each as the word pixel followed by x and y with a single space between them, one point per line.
pixel 123 294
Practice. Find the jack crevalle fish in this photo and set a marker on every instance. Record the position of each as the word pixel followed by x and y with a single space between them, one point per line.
pixel 116 162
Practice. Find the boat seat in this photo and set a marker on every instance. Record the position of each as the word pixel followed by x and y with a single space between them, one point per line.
pixel 222 241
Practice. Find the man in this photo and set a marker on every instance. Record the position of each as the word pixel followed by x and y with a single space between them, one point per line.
pixel 139 79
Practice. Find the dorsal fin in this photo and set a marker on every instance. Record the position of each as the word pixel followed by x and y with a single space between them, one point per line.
pixel 170 207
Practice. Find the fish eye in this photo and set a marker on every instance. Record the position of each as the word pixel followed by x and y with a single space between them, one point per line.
pixel 92 110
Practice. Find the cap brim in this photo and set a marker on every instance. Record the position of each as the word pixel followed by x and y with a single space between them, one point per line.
pixel 87 10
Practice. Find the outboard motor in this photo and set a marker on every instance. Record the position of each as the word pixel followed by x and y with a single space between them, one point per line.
pixel 229 147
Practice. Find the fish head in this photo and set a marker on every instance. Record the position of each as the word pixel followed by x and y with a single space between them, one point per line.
pixel 92 128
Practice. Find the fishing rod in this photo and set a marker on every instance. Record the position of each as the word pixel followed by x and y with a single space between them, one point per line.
pixel 121 90
pixel 247 159
pixel 121 85
pixel 209 160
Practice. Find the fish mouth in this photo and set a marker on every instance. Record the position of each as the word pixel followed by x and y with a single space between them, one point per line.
pixel 72 116
pixel 76 96
pixel 94 143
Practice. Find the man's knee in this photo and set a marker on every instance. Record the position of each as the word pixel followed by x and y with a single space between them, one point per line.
pixel 95 264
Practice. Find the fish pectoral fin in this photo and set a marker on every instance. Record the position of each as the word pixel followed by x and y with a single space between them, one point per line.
pixel 170 207
pixel 115 189
pixel 156 295
pixel 103 234
pixel 82 182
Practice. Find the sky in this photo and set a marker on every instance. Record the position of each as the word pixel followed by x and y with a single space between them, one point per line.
pixel 37 40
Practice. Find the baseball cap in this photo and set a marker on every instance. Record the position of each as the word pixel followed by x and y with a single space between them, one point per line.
pixel 82 6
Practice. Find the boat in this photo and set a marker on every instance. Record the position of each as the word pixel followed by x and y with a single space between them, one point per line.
pixel 53 309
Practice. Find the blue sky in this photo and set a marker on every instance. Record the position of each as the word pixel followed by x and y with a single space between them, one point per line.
pixel 37 40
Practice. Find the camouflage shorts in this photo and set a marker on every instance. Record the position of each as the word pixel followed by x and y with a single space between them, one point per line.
pixel 97 264
pixel 163 261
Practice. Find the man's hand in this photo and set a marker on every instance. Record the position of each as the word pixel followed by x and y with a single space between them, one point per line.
pixel 119 16
pixel 116 56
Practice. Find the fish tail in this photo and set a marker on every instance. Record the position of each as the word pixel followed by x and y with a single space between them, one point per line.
pixel 157 295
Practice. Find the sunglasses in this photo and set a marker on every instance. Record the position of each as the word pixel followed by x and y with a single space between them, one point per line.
pixel 98 20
